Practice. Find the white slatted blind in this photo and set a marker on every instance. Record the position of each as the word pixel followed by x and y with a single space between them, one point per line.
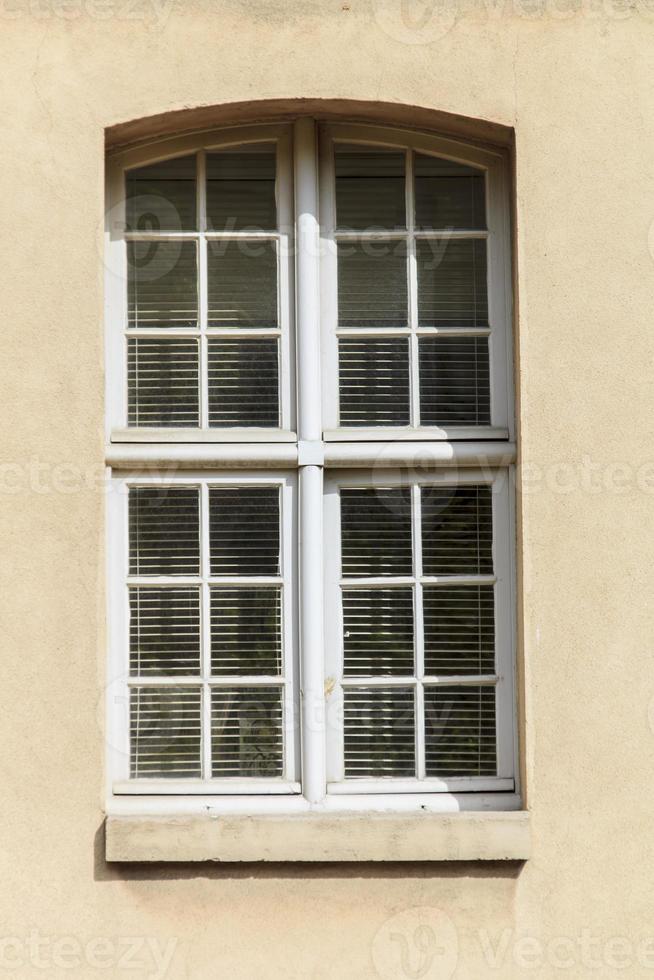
pixel 242 284
pixel 162 286
pixel 164 632
pixel 426 275
pixel 243 386
pixel 162 196
pixel 460 731
pixel 417 600
pixel 204 329
pixel 369 187
pixel 223 714
pixel 162 382
pixel 372 285
pixel 241 188
pixel 375 384
pixel 380 732
pixel 448 194
pixel 246 731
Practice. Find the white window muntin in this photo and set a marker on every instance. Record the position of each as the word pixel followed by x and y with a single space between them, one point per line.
pixel 500 482
pixel 117 239
pixel 497 235
pixel 119 680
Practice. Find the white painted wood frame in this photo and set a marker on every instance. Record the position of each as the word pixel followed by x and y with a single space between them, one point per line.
pixel 309 457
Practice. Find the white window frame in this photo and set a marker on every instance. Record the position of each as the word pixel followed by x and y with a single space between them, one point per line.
pixel 122 682
pixel 117 239
pixel 503 680
pixel 494 165
pixel 317 456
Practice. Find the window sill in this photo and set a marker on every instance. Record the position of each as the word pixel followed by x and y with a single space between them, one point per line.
pixel 472 836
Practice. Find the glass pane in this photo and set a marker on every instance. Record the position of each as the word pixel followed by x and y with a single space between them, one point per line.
pixel 454 381
pixel 165 736
pixel 164 631
pixel 242 284
pixel 241 189
pixel 374 382
pixel 162 288
pixel 452 286
pixel 243 383
pixel 379 732
pixel 162 197
pixel 459 629
pixel 164 530
pixel 457 531
pixel 244 530
pixel 448 194
pixel 246 631
pixel 162 383
pixel 378 631
pixel 372 284
pixel 246 731
pixel 369 187
pixel 376 531
pixel 460 731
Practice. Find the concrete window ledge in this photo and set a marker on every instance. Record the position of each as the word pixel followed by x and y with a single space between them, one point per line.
pixel 320 837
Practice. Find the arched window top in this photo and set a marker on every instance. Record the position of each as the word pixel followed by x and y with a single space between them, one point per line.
pixel 414 308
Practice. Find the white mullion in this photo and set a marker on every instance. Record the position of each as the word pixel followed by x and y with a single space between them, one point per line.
pixel 309 427
pixel 328 281
pixel 504 603
pixel 333 634
pixel 205 620
pixel 116 293
pixel 412 279
pixel 418 628
pixel 287 668
pixel 203 291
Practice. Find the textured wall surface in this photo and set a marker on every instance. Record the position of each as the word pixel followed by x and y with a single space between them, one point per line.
pixel 576 82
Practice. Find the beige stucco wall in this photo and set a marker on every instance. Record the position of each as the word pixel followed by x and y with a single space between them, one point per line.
pixel 578 86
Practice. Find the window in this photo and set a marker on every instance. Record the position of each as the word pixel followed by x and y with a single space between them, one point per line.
pixel 310 435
